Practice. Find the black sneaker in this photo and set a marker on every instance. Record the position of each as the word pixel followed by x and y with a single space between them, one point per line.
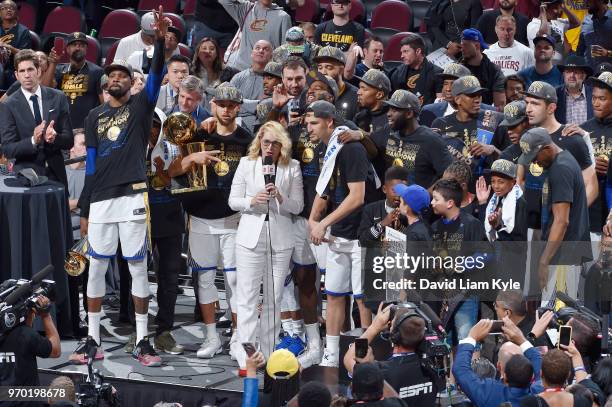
pixel 79 356
pixel 145 353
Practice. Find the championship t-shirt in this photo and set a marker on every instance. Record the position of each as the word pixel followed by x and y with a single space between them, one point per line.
pixel 423 153
pixel 212 202
pixel 600 132
pixel 341 37
pixel 81 87
pixel 310 156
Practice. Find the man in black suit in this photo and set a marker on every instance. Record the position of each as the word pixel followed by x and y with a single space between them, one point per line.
pixel 36 123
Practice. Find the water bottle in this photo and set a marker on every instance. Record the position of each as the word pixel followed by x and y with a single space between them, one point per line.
pixel 93 33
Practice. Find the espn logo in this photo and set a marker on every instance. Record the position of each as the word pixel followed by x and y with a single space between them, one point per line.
pixel 7 357
pixel 416 390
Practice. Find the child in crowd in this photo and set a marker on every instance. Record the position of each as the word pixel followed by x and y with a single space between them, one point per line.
pixel 414 199
pixel 462 173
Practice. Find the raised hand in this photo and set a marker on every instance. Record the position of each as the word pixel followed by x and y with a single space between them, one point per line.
pixel 482 191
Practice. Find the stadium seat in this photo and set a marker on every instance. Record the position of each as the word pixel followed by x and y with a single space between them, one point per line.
pixel 64 19
pixel 178 22
pixel 385 34
pixel 189 9
pixel 27 15
pixel 185 50
pixel 392 14
pixel 144 6
pixel 419 10
pixel 116 25
pixel 392 48
pixel 358 12
pixel 35 40
pixel 309 12
pixel 110 54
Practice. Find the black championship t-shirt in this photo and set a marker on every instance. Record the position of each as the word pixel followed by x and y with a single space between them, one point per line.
pixel 212 203
pixel 459 136
pixel 81 87
pixel 351 165
pixel 565 184
pixel 165 209
pixel 376 124
pixel 415 385
pixel 511 153
pixel 423 153
pixel 341 37
pixel 18 352
pixel 346 102
pixel 310 155
pixel 535 175
pixel 601 139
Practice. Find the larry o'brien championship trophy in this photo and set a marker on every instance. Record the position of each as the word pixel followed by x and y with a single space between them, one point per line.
pixel 180 130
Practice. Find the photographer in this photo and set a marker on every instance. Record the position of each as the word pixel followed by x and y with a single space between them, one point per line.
pixel 415 383
pixel 517 372
pixel 20 346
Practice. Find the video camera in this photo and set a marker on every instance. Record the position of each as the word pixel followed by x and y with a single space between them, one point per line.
pixel 18 297
pixel 94 392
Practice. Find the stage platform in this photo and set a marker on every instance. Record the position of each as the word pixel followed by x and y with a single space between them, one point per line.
pixel 183 378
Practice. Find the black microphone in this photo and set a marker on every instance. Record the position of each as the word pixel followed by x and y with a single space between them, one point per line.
pixel 27 287
pixel 569 301
pixel 269 170
pixel 433 317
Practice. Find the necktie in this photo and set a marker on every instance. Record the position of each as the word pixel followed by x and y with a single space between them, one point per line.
pixel 37 118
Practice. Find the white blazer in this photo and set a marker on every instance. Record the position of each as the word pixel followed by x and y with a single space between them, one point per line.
pixel 248 181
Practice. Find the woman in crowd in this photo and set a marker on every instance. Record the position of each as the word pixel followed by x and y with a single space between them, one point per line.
pixel 207 64
pixel 265 237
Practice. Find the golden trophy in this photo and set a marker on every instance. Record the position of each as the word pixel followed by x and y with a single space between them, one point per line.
pixel 180 130
pixel 76 260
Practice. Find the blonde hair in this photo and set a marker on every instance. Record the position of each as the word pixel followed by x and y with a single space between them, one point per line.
pixel 281 135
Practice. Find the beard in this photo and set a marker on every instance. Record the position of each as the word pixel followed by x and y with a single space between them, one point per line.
pixel 399 123
pixel 77 56
pixel 117 92
pixel 505 5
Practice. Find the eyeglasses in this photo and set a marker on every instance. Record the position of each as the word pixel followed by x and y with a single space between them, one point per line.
pixel 268 143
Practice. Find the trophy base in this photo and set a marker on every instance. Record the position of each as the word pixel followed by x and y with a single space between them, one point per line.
pixel 185 190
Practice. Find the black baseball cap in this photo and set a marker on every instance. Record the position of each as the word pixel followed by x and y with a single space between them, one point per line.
pixel 322 109
pixel 121 66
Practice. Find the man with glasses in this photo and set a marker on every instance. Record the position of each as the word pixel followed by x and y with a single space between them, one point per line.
pixel 512 304
pixel 340 31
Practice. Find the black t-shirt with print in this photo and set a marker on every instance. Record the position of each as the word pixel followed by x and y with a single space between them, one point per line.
pixel 601 139
pixel 376 124
pixel 310 155
pixel 536 175
pixel 490 76
pixel 81 87
pixel 19 349
pixel 341 37
pixel 212 203
pixel 511 153
pixel 565 184
pixel 423 153
pixel 351 165
pixel 346 102
pixel 460 135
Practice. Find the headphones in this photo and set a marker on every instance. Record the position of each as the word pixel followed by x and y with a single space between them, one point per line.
pixel 395 335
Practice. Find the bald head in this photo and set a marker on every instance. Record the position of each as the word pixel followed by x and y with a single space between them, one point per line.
pixel 506 351
pixel 261 54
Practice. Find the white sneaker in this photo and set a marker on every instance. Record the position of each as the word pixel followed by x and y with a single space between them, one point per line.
pixel 234 346
pixel 330 359
pixel 311 356
pixel 210 348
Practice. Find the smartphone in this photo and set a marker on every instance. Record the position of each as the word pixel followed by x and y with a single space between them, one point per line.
pixel 496 328
pixel 58 45
pixel 565 335
pixel 249 348
pixel 361 347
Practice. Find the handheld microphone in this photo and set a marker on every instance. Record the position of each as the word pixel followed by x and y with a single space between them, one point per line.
pixel 269 170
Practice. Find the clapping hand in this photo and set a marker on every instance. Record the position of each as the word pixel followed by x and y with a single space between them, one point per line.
pixel 50 133
pixel 482 191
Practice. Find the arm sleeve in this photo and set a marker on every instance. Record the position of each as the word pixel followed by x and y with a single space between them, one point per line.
pixel 154 79
pixel 12 145
pixel 360 35
pixel 368 232
pixel 580 150
pixel 356 164
pixel 318 32
pixel 237 9
pixel 251 392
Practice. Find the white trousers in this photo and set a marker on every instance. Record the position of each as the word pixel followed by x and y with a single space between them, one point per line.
pixel 254 267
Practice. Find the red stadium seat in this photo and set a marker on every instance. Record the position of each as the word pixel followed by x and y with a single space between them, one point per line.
pixel 392 48
pixel 384 34
pixel 27 15
pixel 392 14
pixel 358 12
pixel 185 50
pixel 178 22
pixel 189 9
pixel 119 24
pixel 145 6
pixel 64 19
pixel 308 12
pixel 110 54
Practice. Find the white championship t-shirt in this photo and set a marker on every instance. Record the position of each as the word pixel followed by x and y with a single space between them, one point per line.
pixel 511 59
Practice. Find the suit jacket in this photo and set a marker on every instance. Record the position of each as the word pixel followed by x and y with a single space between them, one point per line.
pixel 18 128
pixel 434 110
pixel 248 181
pixel 561 112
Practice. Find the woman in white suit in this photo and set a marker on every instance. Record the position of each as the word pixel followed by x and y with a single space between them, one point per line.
pixel 265 237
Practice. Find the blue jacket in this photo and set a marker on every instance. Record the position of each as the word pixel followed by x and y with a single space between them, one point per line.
pixel 561 112
pixel 250 397
pixel 490 392
pixel 434 110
